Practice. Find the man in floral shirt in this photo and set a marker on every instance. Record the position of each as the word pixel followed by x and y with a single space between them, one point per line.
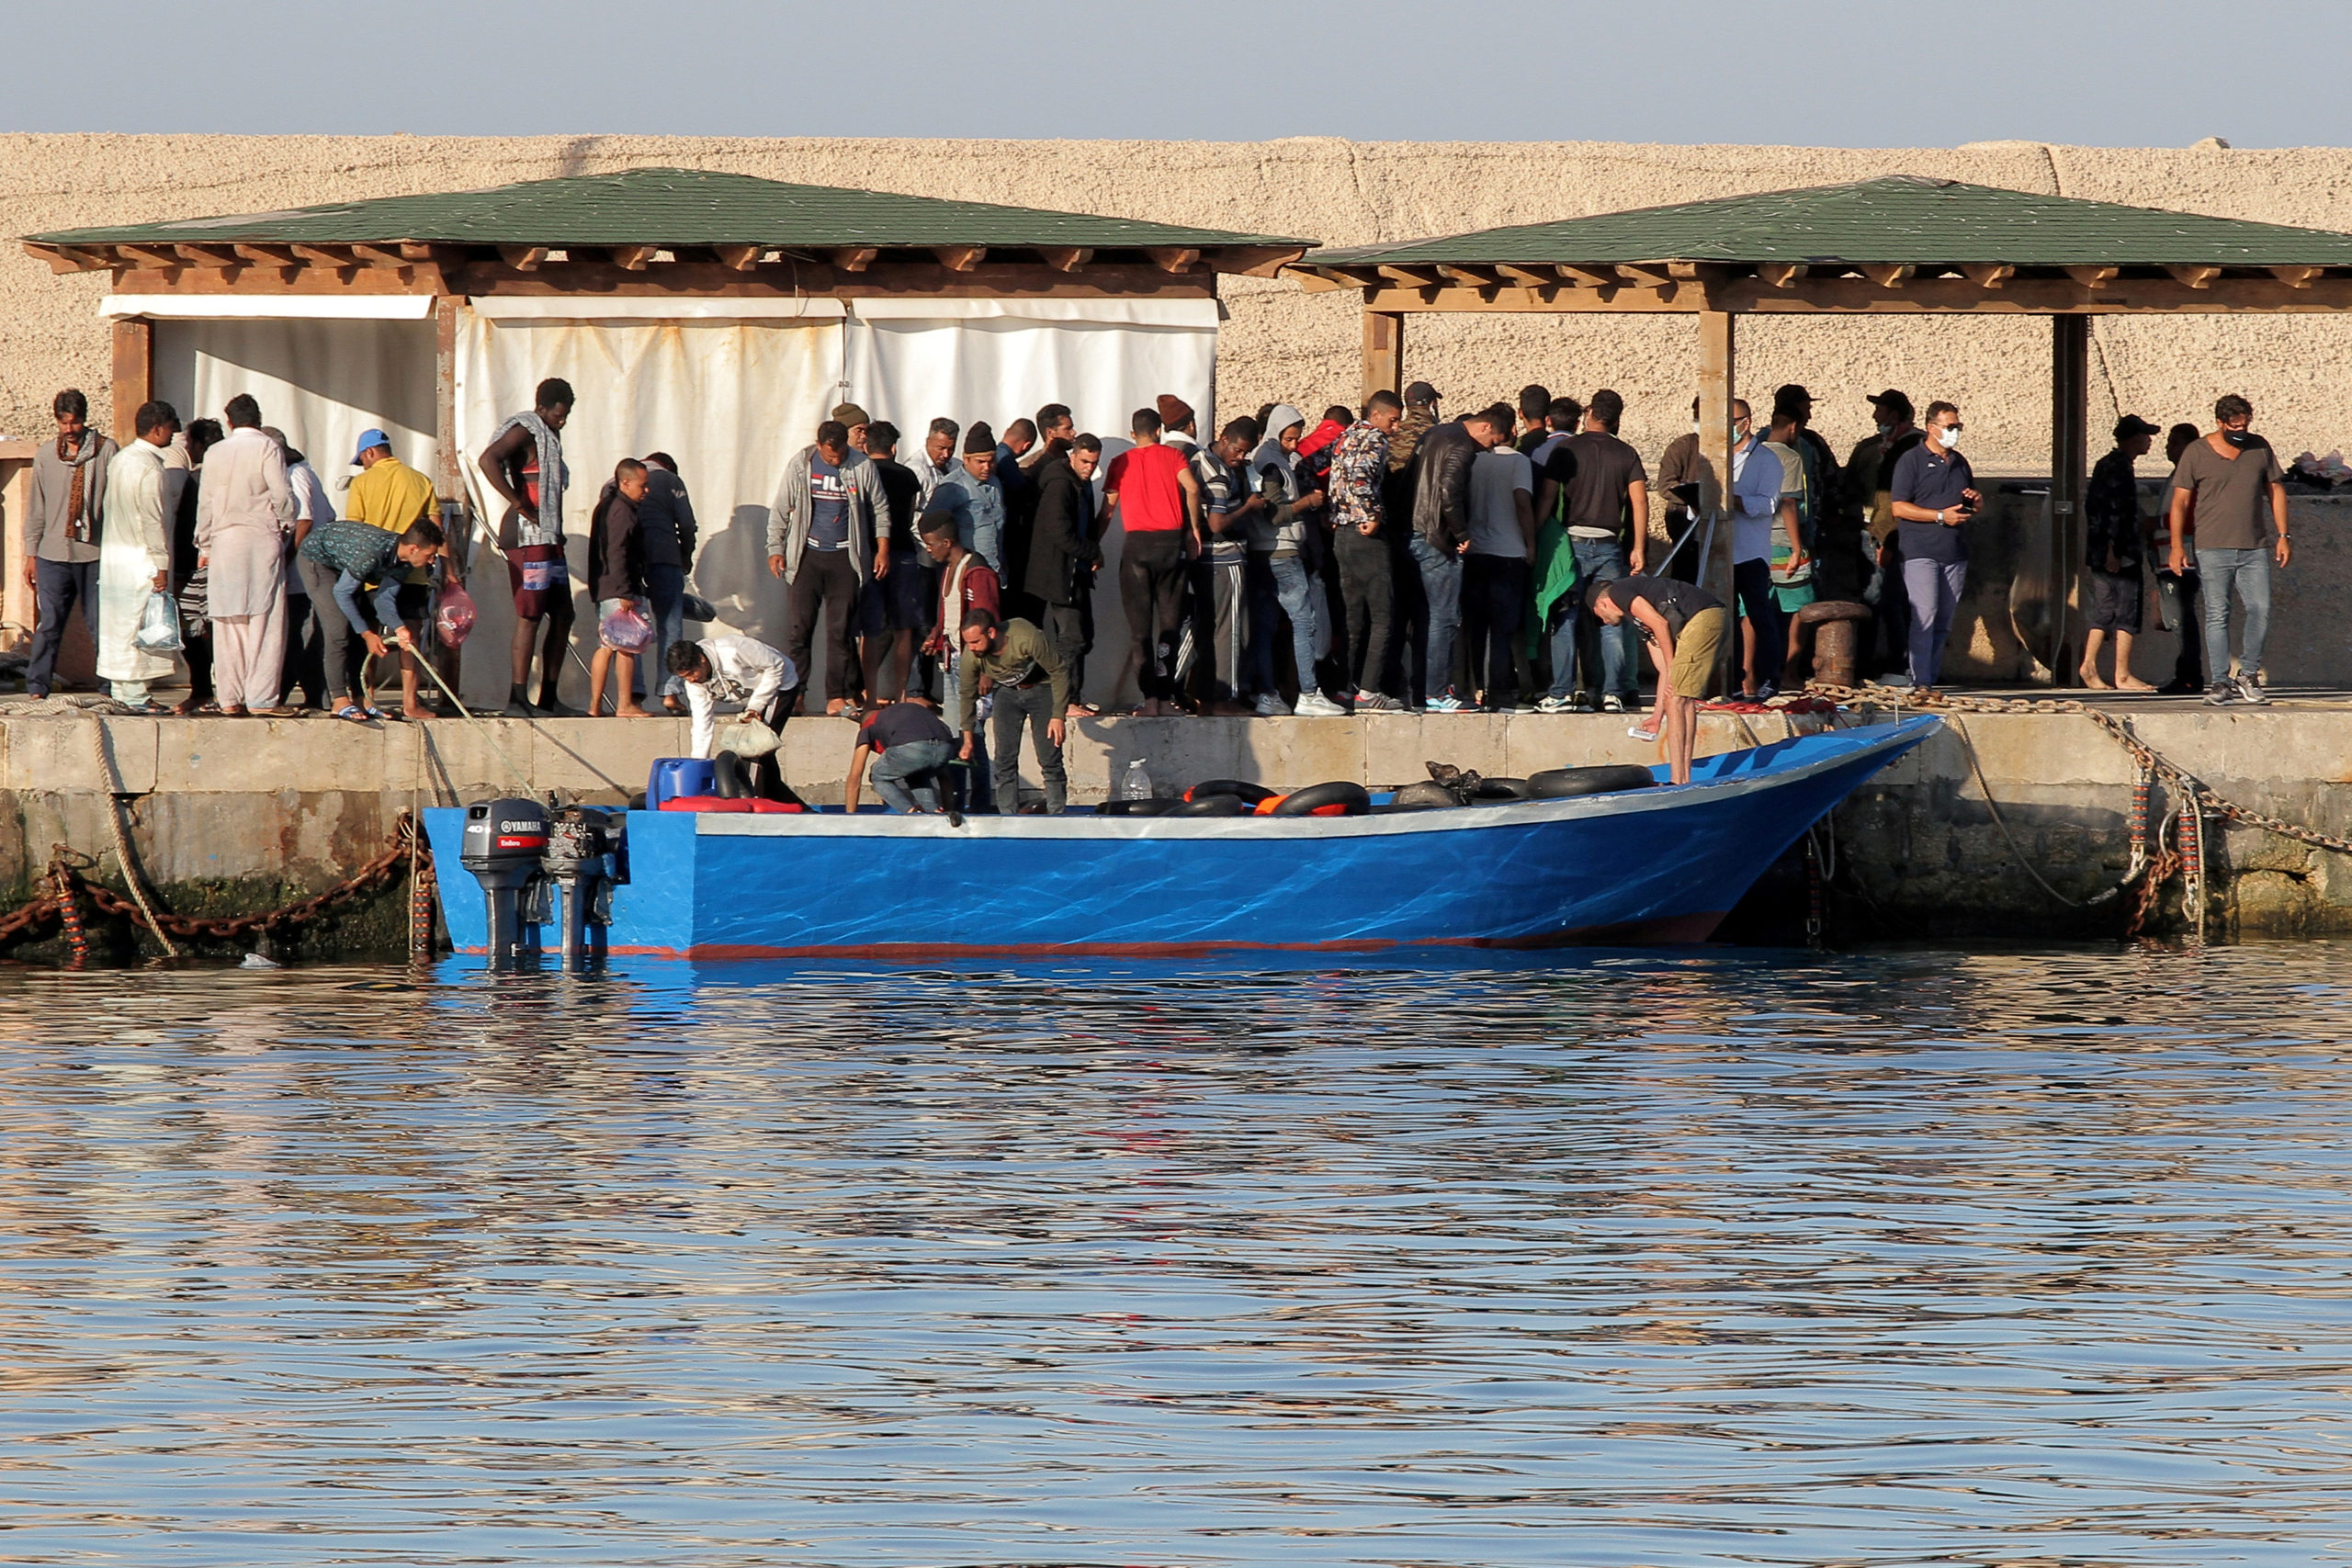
pixel 1360 543
pixel 2115 546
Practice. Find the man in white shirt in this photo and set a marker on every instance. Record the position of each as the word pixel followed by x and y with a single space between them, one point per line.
pixel 732 668
pixel 1757 481
pixel 134 560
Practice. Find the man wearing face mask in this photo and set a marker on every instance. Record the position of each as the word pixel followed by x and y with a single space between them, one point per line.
pixel 2225 479
pixel 1934 493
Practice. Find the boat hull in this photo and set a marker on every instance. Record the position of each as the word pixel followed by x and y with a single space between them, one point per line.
pixel 1643 867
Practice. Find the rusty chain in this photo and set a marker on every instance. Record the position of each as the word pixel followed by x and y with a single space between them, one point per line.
pixel 69 886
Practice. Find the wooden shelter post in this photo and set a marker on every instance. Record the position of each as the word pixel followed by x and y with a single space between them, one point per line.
pixel 2069 482
pixel 134 373
pixel 1717 376
pixel 1384 353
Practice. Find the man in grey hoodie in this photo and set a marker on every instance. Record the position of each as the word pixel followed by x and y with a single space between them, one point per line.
pixel 821 539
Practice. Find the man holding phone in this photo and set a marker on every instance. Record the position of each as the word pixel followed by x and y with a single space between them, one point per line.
pixel 1934 492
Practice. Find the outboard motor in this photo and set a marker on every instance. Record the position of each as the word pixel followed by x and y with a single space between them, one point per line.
pixel 588 854
pixel 506 844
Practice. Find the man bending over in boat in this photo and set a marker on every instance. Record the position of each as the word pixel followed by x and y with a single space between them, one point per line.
pixel 1030 680
pixel 735 669
pixel 1684 626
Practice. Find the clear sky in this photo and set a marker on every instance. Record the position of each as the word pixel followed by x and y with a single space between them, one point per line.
pixel 2162 72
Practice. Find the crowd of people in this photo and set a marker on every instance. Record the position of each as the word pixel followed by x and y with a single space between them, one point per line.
pixel 1371 560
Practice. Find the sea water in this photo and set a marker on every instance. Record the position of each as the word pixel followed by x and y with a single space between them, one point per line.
pixel 1692 1258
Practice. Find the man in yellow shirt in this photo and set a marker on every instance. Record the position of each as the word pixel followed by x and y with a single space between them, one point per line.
pixel 391 495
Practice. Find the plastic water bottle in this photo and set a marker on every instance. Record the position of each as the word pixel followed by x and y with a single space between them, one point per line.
pixel 1136 785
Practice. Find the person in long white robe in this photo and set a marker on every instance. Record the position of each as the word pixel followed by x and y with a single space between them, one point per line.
pixel 134 564
pixel 244 515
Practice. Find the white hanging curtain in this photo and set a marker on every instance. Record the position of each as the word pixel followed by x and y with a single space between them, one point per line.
pixel 320 381
pixel 731 397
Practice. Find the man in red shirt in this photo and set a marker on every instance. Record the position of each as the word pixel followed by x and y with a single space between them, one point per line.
pixel 1157 498
pixel 966 583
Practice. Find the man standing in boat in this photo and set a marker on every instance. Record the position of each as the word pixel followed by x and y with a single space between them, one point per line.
pixel 1029 680
pixel 1684 624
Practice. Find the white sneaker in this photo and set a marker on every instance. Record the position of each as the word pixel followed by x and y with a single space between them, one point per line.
pixel 1314 704
pixel 1555 705
pixel 1273 707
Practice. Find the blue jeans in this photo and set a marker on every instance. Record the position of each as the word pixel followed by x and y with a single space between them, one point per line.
pixel 906 777
pixel 1617 650
pixel 1560 636
pixel 1933 588
pixel 2249 572
pixel 1281 585
pixel 666 586
pixel 1441 586
pixel 977 791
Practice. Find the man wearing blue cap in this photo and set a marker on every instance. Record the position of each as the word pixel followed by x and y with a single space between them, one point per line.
pixel 390 495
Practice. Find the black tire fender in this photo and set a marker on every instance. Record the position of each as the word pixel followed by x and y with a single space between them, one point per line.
pixel 1352 798
pixel 1247 793
pixel 1210 805
pixel 1561 783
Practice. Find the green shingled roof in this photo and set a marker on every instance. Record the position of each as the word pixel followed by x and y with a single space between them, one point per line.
pixel 1901 219
pixel 666 206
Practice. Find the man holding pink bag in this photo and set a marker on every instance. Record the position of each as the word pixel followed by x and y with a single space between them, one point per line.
pixel 617 579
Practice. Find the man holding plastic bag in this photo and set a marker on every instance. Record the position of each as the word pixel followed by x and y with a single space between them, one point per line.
pixel 134 567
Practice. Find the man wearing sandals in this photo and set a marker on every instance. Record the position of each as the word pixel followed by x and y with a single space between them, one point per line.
pixel 243 515
pixel 339 559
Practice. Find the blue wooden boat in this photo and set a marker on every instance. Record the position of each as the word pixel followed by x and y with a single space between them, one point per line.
pixel 1641 866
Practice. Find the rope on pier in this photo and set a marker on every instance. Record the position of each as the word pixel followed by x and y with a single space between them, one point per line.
pixel 2153 862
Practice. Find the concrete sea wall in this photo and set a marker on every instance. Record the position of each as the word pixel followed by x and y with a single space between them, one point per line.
pixel 1283 344
pixel 229 816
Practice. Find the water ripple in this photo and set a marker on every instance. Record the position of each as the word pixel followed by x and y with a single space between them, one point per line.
pixel 1711 1260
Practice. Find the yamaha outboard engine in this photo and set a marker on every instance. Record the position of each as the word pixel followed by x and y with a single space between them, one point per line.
pixel 506 844
pixel 588 856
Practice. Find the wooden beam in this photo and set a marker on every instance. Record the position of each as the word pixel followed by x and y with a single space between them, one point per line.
pixel 738 258
pixel 1349 277
pixel 1779 274
pixel 134 372
pixel 1988 276
pixel 2070 461
pixel 959 258
pixel 1065 258
pixel 1717 367
pixel 267 255
pixel 69 258
pixel 1528 277
pixel 2195 277
pixel 1252 261
pixel 1411 276
pixel 633 258
pixel 417 251
pixel 1885 274
pixel 160 256
pixel 1586 276
pixel 1475 276
pixel 378 256
pixel 207 255
pixel 1173 258
pixel 2092 276
pixel 2296 276
pixel 1644 277
pixel 522 258
pixel 1383 354
pixel 857 258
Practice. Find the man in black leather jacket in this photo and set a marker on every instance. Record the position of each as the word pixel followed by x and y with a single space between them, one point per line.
pixel 1441 535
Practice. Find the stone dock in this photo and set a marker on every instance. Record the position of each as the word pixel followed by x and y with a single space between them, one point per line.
pixel 231 816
